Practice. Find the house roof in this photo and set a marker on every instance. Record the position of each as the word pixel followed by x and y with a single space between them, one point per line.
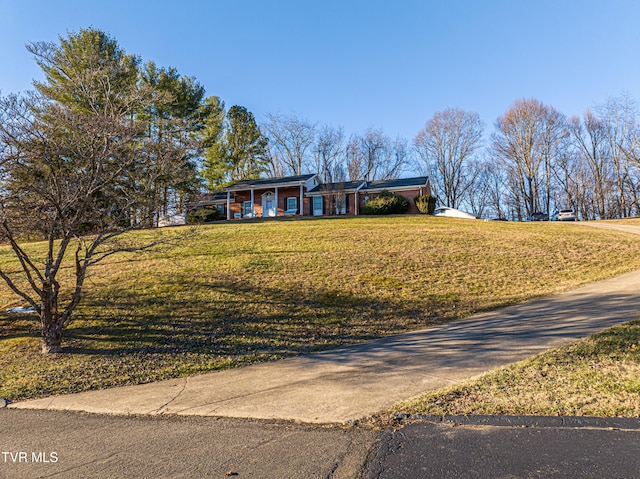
pixel 213 197
pixel 328 188
pixel 361 185
pixel 402 183
pixel 207 199
pixel 270 182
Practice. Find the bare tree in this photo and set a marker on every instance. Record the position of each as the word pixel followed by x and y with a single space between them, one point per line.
pixel 589 138
pixel 606 146
pixel 620 117
pixel 373 147
pixel 355 159
pixel 446 145
pixel 399 158
pixel 493 178
pixel 553 145
pixel 527 142
pixel 73 167
pixel 290 139
pixel 328 153
pixel 374 156
pixel 480 195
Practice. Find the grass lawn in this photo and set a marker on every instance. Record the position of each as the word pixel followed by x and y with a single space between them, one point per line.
pixel 243 292
pixel 595 376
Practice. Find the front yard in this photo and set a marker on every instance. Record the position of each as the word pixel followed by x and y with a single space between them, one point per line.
pixel 239 293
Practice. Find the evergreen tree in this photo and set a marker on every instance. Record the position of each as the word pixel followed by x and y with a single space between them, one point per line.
pixel 173 123
pixel 83 159
pixel 236 149
pixel 215 168
pixel 87 72
pixel 246 146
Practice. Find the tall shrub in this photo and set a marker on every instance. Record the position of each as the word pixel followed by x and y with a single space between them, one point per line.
pixel 426 204
pixel 385 203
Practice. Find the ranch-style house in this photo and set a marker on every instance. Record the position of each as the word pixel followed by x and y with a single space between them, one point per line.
pixel 306 195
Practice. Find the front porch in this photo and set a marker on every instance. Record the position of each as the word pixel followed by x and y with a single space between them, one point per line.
pixel 270 198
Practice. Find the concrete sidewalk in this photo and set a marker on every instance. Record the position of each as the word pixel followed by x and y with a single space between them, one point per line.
pixel 354 382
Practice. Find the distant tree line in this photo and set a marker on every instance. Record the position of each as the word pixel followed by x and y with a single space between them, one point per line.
pixel 237 148
pixel 538 159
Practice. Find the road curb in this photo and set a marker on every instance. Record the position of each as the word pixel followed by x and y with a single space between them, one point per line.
pixel 526 421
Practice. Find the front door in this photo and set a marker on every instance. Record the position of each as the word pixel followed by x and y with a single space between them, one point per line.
pixel 268 204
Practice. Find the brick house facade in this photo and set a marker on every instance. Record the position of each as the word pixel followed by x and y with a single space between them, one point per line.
pixel 305 195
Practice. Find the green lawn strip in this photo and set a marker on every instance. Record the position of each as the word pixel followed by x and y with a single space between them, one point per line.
pixel 243 292
pixel 596 376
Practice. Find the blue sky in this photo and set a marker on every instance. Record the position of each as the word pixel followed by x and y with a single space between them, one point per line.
pixel 359 64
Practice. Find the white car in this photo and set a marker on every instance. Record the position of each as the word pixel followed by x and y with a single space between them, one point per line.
pixel 564 215
pixel 452 213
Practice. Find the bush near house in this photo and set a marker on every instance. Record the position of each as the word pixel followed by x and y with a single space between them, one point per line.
pixel 426 204
pixel 386 203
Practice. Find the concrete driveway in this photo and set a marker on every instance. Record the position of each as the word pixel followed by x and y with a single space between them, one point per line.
pixel 353 382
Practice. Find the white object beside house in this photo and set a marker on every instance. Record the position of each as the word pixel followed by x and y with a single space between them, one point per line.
pixel 452 213
pixel 173 220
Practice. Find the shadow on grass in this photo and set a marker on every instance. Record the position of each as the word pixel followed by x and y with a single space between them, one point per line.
pixel 136 338
pixel 14 326
pixel 216 319
pixel 238 319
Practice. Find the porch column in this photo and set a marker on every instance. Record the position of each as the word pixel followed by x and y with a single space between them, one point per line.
pixel 253 210
pixel 276 201
pixel 228 205
pixel 355 205
pixel 301 200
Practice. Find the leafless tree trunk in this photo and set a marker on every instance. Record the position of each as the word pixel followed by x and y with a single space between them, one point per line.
pixel 355 160
pixel 374 156
pixel 329 153
pixel 526 142
pixel 373 147
pixel 495 180
pixel 480 194
pixel 619 115
pixel 290 139
pixel 589 138
pixel 446 144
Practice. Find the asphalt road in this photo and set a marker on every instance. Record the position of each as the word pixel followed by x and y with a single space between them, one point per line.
pixel 591 450
pixel 58 444
pixel 71 445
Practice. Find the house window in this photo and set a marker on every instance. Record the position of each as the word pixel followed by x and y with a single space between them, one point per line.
pixel 292 204
pixel 317 206
pixel 220 208
pixel 246 208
